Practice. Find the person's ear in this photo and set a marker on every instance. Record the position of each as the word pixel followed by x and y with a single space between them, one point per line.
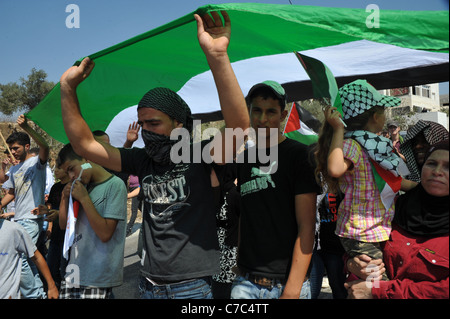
pixel 177 124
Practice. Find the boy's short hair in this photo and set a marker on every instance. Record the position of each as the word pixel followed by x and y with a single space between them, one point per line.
pixel 67 154
pixel 20 138
pixel 267 89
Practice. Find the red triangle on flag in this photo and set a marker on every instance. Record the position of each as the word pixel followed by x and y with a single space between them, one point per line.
pixel 293 122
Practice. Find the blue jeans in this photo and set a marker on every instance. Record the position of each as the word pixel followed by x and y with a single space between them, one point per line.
pixel 31 286
pixel 334 265
pixel 199 288
pixel 245 289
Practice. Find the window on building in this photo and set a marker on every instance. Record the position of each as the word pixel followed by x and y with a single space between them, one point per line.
pixel 426 91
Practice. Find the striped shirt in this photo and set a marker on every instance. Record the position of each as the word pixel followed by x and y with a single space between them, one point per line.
pixel 361 214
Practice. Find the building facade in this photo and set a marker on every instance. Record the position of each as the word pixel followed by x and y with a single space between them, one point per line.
pixel 416 99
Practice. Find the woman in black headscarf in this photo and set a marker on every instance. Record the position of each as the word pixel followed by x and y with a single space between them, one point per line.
pixel 417 142
pixel 416 256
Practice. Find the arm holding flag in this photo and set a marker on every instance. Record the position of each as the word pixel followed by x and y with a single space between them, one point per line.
pixel 44 149
pixel 337 165
pixel 214 38
pixel 77 130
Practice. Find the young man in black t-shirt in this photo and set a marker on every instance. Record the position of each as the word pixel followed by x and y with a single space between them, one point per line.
pixel 278 205
pixel 180 240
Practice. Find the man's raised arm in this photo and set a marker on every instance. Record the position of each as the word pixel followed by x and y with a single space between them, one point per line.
pixel 44 149
pixel 214 37
pixel 77 130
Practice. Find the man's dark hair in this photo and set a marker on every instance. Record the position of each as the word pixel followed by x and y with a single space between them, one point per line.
pixel 20 138
pixel 67 154
pixel 265 92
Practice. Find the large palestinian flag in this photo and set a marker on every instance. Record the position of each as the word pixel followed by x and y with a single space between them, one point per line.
pixel 408 48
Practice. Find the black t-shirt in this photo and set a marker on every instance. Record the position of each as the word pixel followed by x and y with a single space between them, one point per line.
pixel 268 224
pixel 179 227
pixel 54 199
pixel 328 208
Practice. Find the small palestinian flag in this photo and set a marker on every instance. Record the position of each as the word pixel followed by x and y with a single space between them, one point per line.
pixel 387 183
pixel 296 128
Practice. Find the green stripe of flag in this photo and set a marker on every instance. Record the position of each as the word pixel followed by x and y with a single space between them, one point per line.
pixel 323 82
pixel 304 139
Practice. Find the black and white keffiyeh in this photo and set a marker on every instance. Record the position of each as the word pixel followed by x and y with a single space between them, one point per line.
pixel 359 96
pixel 433 133
pixel 380 149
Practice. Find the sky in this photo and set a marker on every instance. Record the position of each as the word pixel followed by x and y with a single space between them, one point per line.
pixel 33 33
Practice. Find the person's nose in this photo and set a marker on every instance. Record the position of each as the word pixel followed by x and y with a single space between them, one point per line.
pixel 263 118
pixel 438 170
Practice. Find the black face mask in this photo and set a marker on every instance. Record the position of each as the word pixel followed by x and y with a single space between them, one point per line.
pixel 158 146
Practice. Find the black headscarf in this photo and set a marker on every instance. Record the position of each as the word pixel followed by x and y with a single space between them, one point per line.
pixel 433 132
pixel 169 102
pixel 420 213
pixel 158 146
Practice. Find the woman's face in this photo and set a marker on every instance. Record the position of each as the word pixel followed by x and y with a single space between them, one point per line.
pixel 435 174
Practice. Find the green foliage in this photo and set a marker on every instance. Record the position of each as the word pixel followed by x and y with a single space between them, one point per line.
pixel 26 95
pixel 444 109
pixel 11 98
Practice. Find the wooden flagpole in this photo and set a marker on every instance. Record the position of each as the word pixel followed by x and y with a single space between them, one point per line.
pixel 7 147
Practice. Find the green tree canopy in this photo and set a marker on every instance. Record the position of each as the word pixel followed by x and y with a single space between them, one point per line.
pixel 26 95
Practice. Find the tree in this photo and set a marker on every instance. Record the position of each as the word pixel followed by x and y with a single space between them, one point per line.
pixel 26 95
pixel 10 98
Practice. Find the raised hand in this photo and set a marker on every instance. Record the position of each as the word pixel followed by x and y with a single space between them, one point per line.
pixel 77 74
pixel 22 121
pixel 213 34
pixel 333 117
pixel 133 132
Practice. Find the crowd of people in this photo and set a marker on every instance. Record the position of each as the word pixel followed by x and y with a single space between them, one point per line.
pixel 231 225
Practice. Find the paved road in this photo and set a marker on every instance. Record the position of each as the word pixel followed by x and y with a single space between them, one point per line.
pixel 129 289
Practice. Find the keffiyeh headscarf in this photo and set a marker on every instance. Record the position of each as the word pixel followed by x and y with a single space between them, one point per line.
pixel 169 102
pixel 380 149
pixel 433 132
pixel 359 96
pixel 158 146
